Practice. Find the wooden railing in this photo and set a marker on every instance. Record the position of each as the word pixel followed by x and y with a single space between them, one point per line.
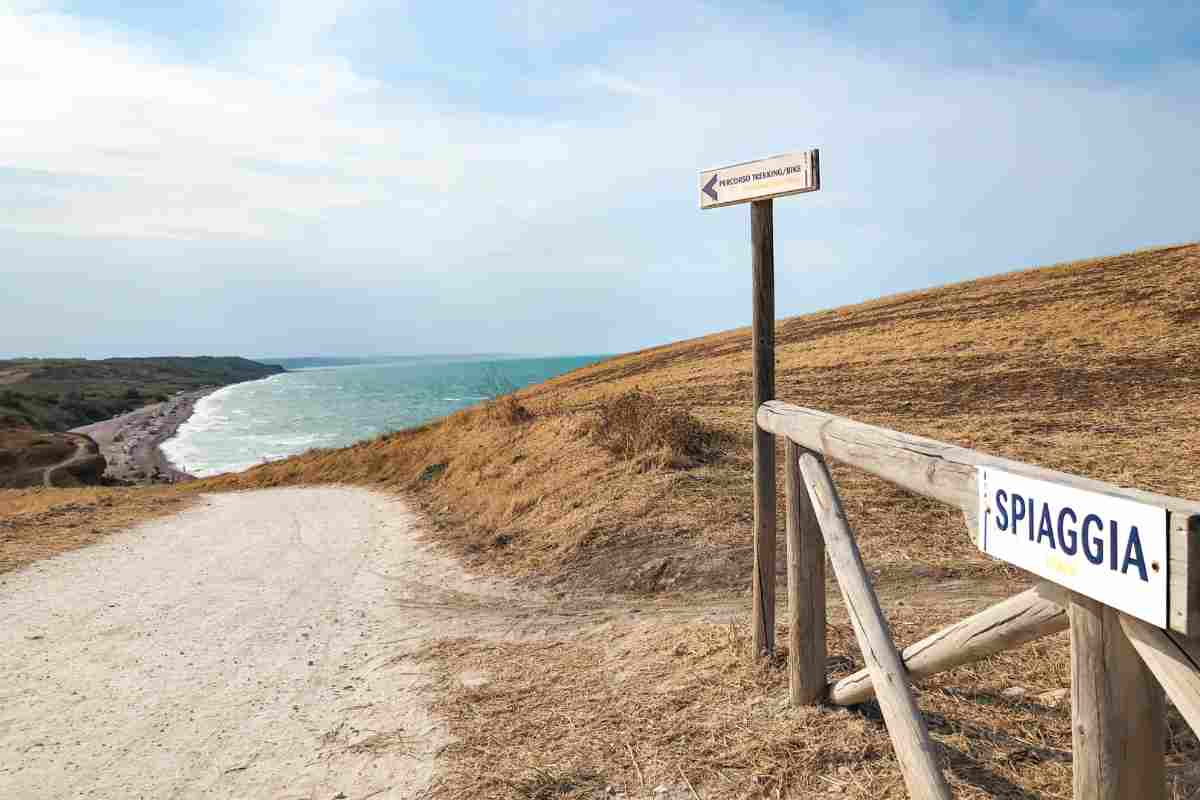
pixel 1118 727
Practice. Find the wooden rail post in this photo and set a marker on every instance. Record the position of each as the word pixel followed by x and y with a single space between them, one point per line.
pixel 762 236
pixel 905 725
pixel 806 588
pixel 1176 669
pixel 1117 726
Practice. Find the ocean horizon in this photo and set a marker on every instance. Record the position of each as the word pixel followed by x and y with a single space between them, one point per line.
pixel 337 401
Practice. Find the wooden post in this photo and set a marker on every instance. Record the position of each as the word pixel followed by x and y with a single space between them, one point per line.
pixel 1030 615
pixel 1117 727
pixel 904 722
pixel 762 238
pixel 1170 663
pixel 806 588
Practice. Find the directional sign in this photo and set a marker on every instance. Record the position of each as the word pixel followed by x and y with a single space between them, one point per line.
pixel 757 180
pixel 1108 548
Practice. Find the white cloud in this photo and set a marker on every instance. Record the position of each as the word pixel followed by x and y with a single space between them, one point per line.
pixel 177 139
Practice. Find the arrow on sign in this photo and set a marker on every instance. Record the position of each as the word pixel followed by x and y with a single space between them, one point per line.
pixel 708 187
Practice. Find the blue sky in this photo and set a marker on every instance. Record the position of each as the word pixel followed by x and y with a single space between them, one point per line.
pixel 272 178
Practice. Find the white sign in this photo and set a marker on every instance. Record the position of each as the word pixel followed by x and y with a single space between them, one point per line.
pixel 757 180
pixel 1109 548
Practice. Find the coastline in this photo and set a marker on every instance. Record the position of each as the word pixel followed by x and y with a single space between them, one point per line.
pixel 131 442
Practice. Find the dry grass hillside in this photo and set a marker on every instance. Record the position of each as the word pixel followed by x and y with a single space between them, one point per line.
pixel 633 477
pixel 1089 367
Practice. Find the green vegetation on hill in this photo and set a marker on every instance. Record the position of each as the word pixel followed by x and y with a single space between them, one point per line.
pixel 60 394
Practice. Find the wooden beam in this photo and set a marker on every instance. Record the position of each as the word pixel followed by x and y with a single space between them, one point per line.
pixel 762 236
pixel 905 724
pixel 946 472
pixel 806 588
pixel 1189 645
pixel 1032 614
pixel 1118 727
pixel 1178 673
pixel 1183 573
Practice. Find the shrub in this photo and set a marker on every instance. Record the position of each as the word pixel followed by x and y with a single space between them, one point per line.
pixel 506 409
pixel 432 471
pixel 636 426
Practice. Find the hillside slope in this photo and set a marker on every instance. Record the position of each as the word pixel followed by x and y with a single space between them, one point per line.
pixel 38 458
pixel 1089 367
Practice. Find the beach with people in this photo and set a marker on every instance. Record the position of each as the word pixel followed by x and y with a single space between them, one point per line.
pixel 131 442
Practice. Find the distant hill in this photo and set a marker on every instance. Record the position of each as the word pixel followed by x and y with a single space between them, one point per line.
pixel 59 394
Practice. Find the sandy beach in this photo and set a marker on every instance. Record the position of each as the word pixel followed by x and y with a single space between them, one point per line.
pixel 131 441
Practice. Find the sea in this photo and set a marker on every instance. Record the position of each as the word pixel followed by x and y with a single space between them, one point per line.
pixel 338 401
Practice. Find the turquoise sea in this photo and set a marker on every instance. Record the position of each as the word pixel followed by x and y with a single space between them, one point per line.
pixel 336 402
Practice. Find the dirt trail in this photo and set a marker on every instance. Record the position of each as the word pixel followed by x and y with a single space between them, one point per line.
pixel 253 646
pixel 82 443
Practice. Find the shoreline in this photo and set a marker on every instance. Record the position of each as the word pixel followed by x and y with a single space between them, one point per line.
pixel 131 442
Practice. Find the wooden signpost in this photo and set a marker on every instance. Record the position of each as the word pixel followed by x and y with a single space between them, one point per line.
pixel 757 183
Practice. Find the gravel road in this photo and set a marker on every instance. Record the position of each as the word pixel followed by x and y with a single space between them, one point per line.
pixel 254 646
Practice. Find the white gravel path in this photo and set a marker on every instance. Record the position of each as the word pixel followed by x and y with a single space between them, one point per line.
pixel 254 646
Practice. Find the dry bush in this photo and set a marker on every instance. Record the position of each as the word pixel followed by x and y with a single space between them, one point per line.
pixel 509 411
pixel 637 426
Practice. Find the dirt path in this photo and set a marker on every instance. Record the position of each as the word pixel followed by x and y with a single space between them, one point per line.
pixel 254 646
pixel 81 453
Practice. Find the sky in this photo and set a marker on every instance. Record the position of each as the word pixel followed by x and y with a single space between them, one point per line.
pixel 362 178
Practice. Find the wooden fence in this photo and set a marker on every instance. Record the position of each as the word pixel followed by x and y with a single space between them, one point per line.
pixel 1118 663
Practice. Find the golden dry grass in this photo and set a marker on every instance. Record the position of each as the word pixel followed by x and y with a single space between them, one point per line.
pixel 40 523
pixel 688 705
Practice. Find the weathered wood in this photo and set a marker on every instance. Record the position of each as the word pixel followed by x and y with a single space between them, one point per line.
pixel 1032 614
pixel 1189 645
pixel 1177 672
pixel 946 472
pixel 1116 709
pixel 1183 573
pixel 914 750
pixel 806 588
pixel 762 236
pixel 777 176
